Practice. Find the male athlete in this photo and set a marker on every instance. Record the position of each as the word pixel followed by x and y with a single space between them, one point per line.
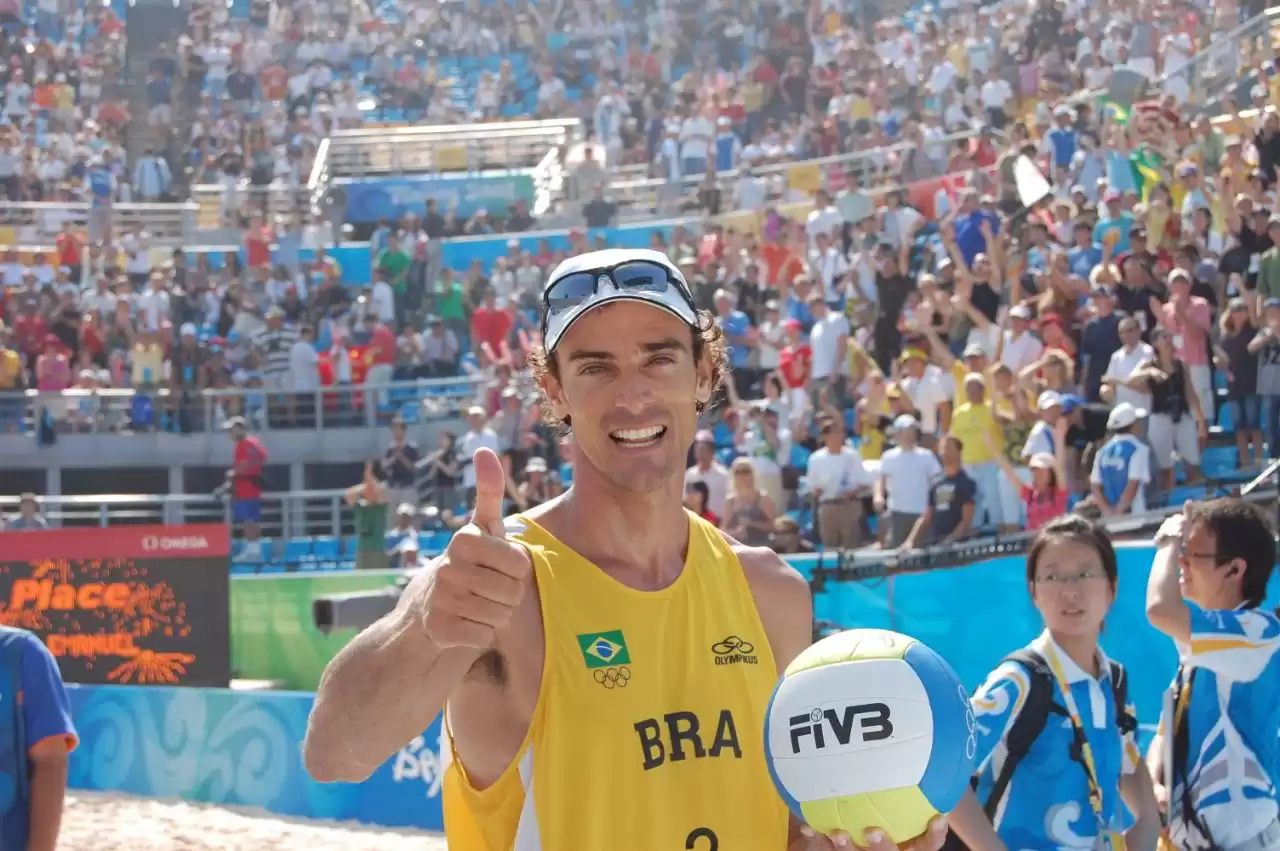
pixel 604 661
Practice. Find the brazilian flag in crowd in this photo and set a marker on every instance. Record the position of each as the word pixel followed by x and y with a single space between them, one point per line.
pixel 1148 170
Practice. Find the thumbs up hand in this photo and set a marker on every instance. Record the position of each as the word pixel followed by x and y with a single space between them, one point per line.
pixel 482 576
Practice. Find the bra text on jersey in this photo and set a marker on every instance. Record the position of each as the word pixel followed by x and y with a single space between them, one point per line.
pixel 875 725
pixel 684 738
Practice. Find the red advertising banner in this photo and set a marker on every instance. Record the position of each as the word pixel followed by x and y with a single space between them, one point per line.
pixel 145 605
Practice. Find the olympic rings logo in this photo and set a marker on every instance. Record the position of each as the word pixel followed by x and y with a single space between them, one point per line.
pixel 613 677
pixel 970 722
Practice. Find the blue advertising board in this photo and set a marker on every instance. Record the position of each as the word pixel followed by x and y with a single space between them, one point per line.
pixel 239 748
pixel 244 748
pixel 370 199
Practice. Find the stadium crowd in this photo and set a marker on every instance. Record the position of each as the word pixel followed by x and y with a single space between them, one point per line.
pixel 909 341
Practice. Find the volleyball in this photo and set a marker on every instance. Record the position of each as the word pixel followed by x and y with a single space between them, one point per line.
pixel 870 728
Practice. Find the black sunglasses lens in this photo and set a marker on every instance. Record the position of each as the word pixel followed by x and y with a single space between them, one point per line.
pixel 570 291
pixel 648 277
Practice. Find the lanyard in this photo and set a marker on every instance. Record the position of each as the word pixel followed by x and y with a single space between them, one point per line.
pixel 1086 750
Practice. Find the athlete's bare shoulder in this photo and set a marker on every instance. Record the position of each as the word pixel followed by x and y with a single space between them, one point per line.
pixel 782 599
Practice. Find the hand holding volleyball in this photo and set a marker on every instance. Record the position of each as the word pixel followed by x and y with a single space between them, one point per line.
pixel 481 577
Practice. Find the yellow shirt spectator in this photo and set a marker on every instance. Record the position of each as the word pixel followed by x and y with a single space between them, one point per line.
pixel 10 369
pixel 973 423
pixel 959 371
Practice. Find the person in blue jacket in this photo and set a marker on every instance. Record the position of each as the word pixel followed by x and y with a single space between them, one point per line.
pixel 1216 755
pixel 36 737
pixel 1056 748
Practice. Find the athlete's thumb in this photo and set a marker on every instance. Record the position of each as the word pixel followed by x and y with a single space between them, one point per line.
pixel 491 488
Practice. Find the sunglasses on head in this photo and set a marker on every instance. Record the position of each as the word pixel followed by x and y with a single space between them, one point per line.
pixel 637 276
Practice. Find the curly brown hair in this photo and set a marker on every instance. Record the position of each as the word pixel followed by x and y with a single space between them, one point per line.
pixel 708 341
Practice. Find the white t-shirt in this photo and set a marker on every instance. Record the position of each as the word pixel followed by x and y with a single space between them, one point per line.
pixel 836 473
pixel 827 220
pixel 1020 352
pixel 716 478
pixel 1124 364
pixel 907 476
pixel 927 393
pixel 384 301
pixel 695 137
pixel 996 93
pixel 1039 440
pixel 304 366
pixel 824 340
pixel 467 446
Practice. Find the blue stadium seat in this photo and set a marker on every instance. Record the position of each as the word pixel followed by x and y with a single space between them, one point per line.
pixel 349 547
pixel 850 419
pixel 297 551
pixel 272 567
pixel 437 541
pixel 1219 462
pixel 566 474
pixel 240 568
pixel 324 548
pixel 726 455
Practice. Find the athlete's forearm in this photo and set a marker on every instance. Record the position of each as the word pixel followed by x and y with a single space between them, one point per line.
pixel 378 693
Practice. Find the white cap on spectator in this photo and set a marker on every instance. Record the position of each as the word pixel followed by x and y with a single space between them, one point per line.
pixel 188 330
pixel 408 545
pixel 406 508
pixel 1021 311
pixel 1049 399
pixel 1123 416
pixel 974 350
pixel 905 421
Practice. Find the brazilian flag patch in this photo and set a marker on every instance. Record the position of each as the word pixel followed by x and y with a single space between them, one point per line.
pixel 604 649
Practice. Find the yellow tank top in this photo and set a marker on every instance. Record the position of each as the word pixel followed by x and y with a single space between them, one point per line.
pixel 648 730
pixel 871 440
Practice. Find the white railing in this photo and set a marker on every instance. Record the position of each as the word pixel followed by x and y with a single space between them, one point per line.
pixel 644 198
pixel 133 411
pixel 39 223
pixel 308 514
pixel 442 149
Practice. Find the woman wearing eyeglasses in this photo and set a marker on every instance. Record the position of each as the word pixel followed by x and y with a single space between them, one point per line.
pixel 1056 748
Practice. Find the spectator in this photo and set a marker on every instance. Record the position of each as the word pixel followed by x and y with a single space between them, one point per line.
pixel 1122 467
pixel 28 516
pixel 246 481
pixel 478 435
pixel 838 481
pixel 399 464
pixel 709 472
pixel 749 511
pixel 948 516
pixel 902 488
pixel 368 503
pixel 696 497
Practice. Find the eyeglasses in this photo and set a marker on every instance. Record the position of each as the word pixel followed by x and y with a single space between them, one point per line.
pixel 1062 580
pixel 637 276
pixel 1183 553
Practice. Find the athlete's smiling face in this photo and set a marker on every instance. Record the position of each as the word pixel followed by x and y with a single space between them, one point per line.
pixel 628 380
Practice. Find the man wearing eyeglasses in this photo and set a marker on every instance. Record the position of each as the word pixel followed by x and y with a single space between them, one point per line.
pixel 1215 758
pixel 604 661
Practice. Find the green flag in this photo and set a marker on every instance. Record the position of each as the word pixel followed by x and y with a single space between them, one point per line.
pixel 1148 170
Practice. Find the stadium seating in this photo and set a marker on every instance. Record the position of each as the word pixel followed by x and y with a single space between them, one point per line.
pixel 327 553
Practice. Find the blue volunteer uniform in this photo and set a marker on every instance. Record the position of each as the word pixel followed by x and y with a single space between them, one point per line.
pixel 1046 806
pixel 1227 693
pixel 33 709
pixel 1123 459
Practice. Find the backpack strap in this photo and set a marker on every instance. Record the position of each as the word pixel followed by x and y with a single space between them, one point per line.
pixel 1026 728
pixel 1126 721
